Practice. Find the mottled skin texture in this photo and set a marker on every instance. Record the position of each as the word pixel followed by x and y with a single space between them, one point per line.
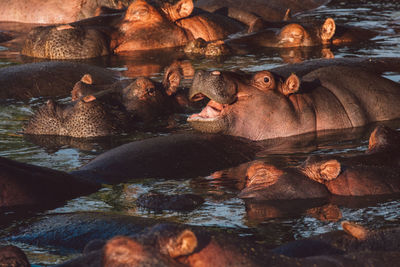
pixel 81 119
pixel 321 102
pixel 52 11
pixel 65 42
pixel 374 173
pixel 22 82
pixel 143 26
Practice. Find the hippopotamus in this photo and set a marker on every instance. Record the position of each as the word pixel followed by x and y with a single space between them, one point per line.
pixel 374 173
pixel 266 105
pixel 13 256
pixel 48 79
pixel 83 118
pixel 103 110
pixel 136 160
pixel 53 11
pixel 143 26
pixel 303 34
pixel 28 185
pixel 268 10
pixel 169 244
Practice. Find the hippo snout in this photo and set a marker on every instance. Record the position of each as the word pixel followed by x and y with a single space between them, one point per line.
pixel 214 85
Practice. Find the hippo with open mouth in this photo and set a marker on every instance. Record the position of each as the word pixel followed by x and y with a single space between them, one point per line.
pixel 266 105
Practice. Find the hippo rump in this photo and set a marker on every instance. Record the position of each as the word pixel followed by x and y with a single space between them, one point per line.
pixel 266 105
pixel 52 11
pixel 47 79
pixel 374 173
pixel 143 26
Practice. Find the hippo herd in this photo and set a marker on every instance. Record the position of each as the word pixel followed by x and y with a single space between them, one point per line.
pixel 231 119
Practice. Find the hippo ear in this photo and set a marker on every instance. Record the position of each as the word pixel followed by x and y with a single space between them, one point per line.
pixel 88 98
pixel 328 29
pixel 291 85
pixel 329 169
pixel 171 81
pixel 182 9
pixel 355 230
pixel 87 78
pixel 122 251
pixel 184 244
pixel 288 15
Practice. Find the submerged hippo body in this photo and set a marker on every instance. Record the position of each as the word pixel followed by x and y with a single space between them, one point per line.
pixel 374 173
pixel 45 79
pixel 51 11
pixel 299 34
pixel 268 106
pixel 143 26
pixel 267 9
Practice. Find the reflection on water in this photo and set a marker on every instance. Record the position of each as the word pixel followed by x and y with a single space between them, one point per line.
pixel 278 222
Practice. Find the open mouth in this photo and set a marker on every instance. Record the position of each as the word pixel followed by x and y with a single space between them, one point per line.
pixel 213 111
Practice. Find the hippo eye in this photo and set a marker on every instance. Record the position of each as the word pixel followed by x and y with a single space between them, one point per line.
pixel 266 79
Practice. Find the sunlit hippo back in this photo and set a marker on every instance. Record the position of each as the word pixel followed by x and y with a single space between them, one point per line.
pixel 65 42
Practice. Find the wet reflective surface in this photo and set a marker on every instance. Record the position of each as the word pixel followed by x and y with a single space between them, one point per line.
pixel 279 222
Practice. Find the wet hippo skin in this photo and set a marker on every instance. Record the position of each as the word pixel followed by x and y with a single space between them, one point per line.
pixel 45 79
pixel 143 26
pixel 374 173
pixel 266 105
pixel 268 10
pixel 51 11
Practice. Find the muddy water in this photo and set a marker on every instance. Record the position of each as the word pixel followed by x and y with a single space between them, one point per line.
pixel 278 222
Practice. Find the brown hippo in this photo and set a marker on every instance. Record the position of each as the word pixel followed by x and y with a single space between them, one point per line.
pixel 303 34
pixel 374 173
pixel 270 10
pixel 266 105
pixel 27 185
pixel 13 256
pixel 87 117
pixel 45 79
pixel 103 110
pixel 143 26
pixel 181 245
pixel 53 11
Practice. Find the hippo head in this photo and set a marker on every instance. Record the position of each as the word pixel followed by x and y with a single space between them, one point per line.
pixel 83 118
pixel 257 107
pixel 151 25
pixel 146 100
pixel 294 34
pixel 162 243
pixel 267 182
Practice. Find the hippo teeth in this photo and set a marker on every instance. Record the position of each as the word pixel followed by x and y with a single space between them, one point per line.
pixel 210 112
